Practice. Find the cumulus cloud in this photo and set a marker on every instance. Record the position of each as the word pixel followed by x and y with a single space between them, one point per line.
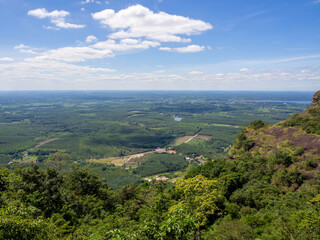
pixel 188 49
pixel 140 22
pixel 91 39
pixel 6 59
pixel 58 18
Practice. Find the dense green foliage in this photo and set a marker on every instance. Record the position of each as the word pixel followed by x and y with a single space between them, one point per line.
pixel 245 198
pixel 243 142
pixel 115 177
pixel 160 163
pixel 309 123
pixel 257 124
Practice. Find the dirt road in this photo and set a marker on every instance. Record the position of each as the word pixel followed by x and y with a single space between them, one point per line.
pixel 44 142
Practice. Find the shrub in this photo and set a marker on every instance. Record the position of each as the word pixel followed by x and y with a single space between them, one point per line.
pixel 257 124
pixel 243 142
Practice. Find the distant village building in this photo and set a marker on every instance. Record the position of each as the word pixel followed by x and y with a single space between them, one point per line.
pixel 161 179
pixel 172 151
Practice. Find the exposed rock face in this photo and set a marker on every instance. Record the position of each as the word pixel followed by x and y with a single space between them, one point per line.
pixel 316 98
pixel 278 138
pixel 315 103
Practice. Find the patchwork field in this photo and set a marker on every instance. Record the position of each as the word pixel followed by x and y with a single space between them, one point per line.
pixel 136 133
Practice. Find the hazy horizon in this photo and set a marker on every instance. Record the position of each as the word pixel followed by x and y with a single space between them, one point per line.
pixel 156 90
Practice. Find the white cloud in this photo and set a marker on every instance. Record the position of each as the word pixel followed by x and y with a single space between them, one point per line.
pixel 165 49
pixel 50 27
pixel 62 24
pixel 96 51
pixel 48 75
pixel 56 17
pixel 26 49
pixel 245 70
pixel 87 1
pixel 195 73
pixel 90 1
pixel 188 49
pixel 83 9
pixel 6 59
pixel 316 1
pixel 73 54
pixel 42 13
pixel 277 60
pixel 140 22
pixel 91 39
pixel 126 44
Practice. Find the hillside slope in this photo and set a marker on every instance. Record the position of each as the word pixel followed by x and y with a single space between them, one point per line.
pixel 294 143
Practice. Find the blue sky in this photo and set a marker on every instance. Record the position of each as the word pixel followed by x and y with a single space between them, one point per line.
pixel 160 44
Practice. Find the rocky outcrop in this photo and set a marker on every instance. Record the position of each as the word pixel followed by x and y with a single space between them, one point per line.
pixel 315 103
pixel 316 98
pixel 293 140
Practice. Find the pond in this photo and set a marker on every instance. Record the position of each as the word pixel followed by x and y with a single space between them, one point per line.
pixel 177 119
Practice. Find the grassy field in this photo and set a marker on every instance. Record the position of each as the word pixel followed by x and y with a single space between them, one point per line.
pixel 181 140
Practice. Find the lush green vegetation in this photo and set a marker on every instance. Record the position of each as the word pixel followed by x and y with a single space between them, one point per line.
pixel 309 123
pixel 246 198
pixel 160 163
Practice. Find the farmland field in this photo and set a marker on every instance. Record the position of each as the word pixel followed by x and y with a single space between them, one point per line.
pixel 106 127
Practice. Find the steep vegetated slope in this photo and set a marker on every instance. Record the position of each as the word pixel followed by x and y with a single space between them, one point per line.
pixel 292 144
